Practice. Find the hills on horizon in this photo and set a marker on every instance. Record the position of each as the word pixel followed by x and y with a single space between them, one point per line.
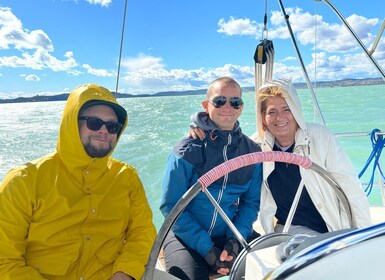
pixel 64 96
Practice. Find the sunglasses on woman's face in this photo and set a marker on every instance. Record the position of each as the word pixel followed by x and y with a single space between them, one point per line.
pixel 94 124
pixel 220 101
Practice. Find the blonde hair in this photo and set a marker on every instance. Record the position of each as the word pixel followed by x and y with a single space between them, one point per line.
pixel 265 93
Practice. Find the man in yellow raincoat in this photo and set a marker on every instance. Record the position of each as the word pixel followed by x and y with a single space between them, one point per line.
pixel 77 213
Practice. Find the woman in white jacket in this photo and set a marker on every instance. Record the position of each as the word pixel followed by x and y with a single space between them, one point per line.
pixel 281 127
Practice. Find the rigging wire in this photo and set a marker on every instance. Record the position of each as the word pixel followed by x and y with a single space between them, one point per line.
pixel 121 48
pixel 315 43
pixel 315 55
pixel 264 31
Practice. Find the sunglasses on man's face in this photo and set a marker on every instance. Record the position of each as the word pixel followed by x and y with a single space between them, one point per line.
pixel 220 101
pixel 94 124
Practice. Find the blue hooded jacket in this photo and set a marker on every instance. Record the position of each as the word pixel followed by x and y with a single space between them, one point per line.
pixel 238 193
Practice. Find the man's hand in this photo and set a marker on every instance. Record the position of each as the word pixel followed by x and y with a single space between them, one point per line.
pixel 121 276
pixel 229 254
pixel 197 133
pixel 232 247
pixel 226 258
pixel 213 260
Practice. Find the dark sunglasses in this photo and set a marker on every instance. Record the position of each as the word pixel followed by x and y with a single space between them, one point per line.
pixel 220 101
pixel 94 124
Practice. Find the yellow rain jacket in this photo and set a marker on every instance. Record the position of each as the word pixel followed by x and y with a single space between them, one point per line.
pixel 69 216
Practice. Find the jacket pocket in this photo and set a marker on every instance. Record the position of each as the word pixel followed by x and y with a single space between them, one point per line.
pixel 53 267
pixel 109 252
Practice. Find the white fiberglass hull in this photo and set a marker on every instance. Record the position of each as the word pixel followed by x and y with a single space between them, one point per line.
pixel 350 255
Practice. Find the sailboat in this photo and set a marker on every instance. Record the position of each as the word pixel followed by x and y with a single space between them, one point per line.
pixel 345 254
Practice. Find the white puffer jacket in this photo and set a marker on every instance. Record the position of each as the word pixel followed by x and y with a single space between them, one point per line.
pixel 320 145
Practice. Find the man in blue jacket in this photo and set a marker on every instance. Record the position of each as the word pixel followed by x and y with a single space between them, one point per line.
pixel 200 240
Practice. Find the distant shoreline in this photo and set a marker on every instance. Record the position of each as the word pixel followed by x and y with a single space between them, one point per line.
pixel 64 96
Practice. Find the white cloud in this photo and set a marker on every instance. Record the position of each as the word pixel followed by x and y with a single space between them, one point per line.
pixel 147 74
pixel 32 78
pixel 34 46
pixel 98 72
pixel 34 50
pixel 133 64
pixel 40 60
pixel 335 38
pixel 103 3
pixel 242 26
pixel 12 34
pixel 330 37
pixel 328 68
pixel 348 66
pixel 289 58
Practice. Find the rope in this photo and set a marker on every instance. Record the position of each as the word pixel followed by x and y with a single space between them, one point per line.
pixel 378 143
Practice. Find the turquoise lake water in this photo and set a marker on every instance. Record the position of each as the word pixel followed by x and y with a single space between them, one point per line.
pixel 29 130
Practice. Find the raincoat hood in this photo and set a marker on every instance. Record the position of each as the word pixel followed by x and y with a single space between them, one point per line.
pixel 69 146
pixel 291 97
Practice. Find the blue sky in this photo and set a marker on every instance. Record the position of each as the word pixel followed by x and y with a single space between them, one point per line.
pixel 51 46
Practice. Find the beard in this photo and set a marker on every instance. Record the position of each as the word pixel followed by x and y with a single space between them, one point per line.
pixel 94 152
